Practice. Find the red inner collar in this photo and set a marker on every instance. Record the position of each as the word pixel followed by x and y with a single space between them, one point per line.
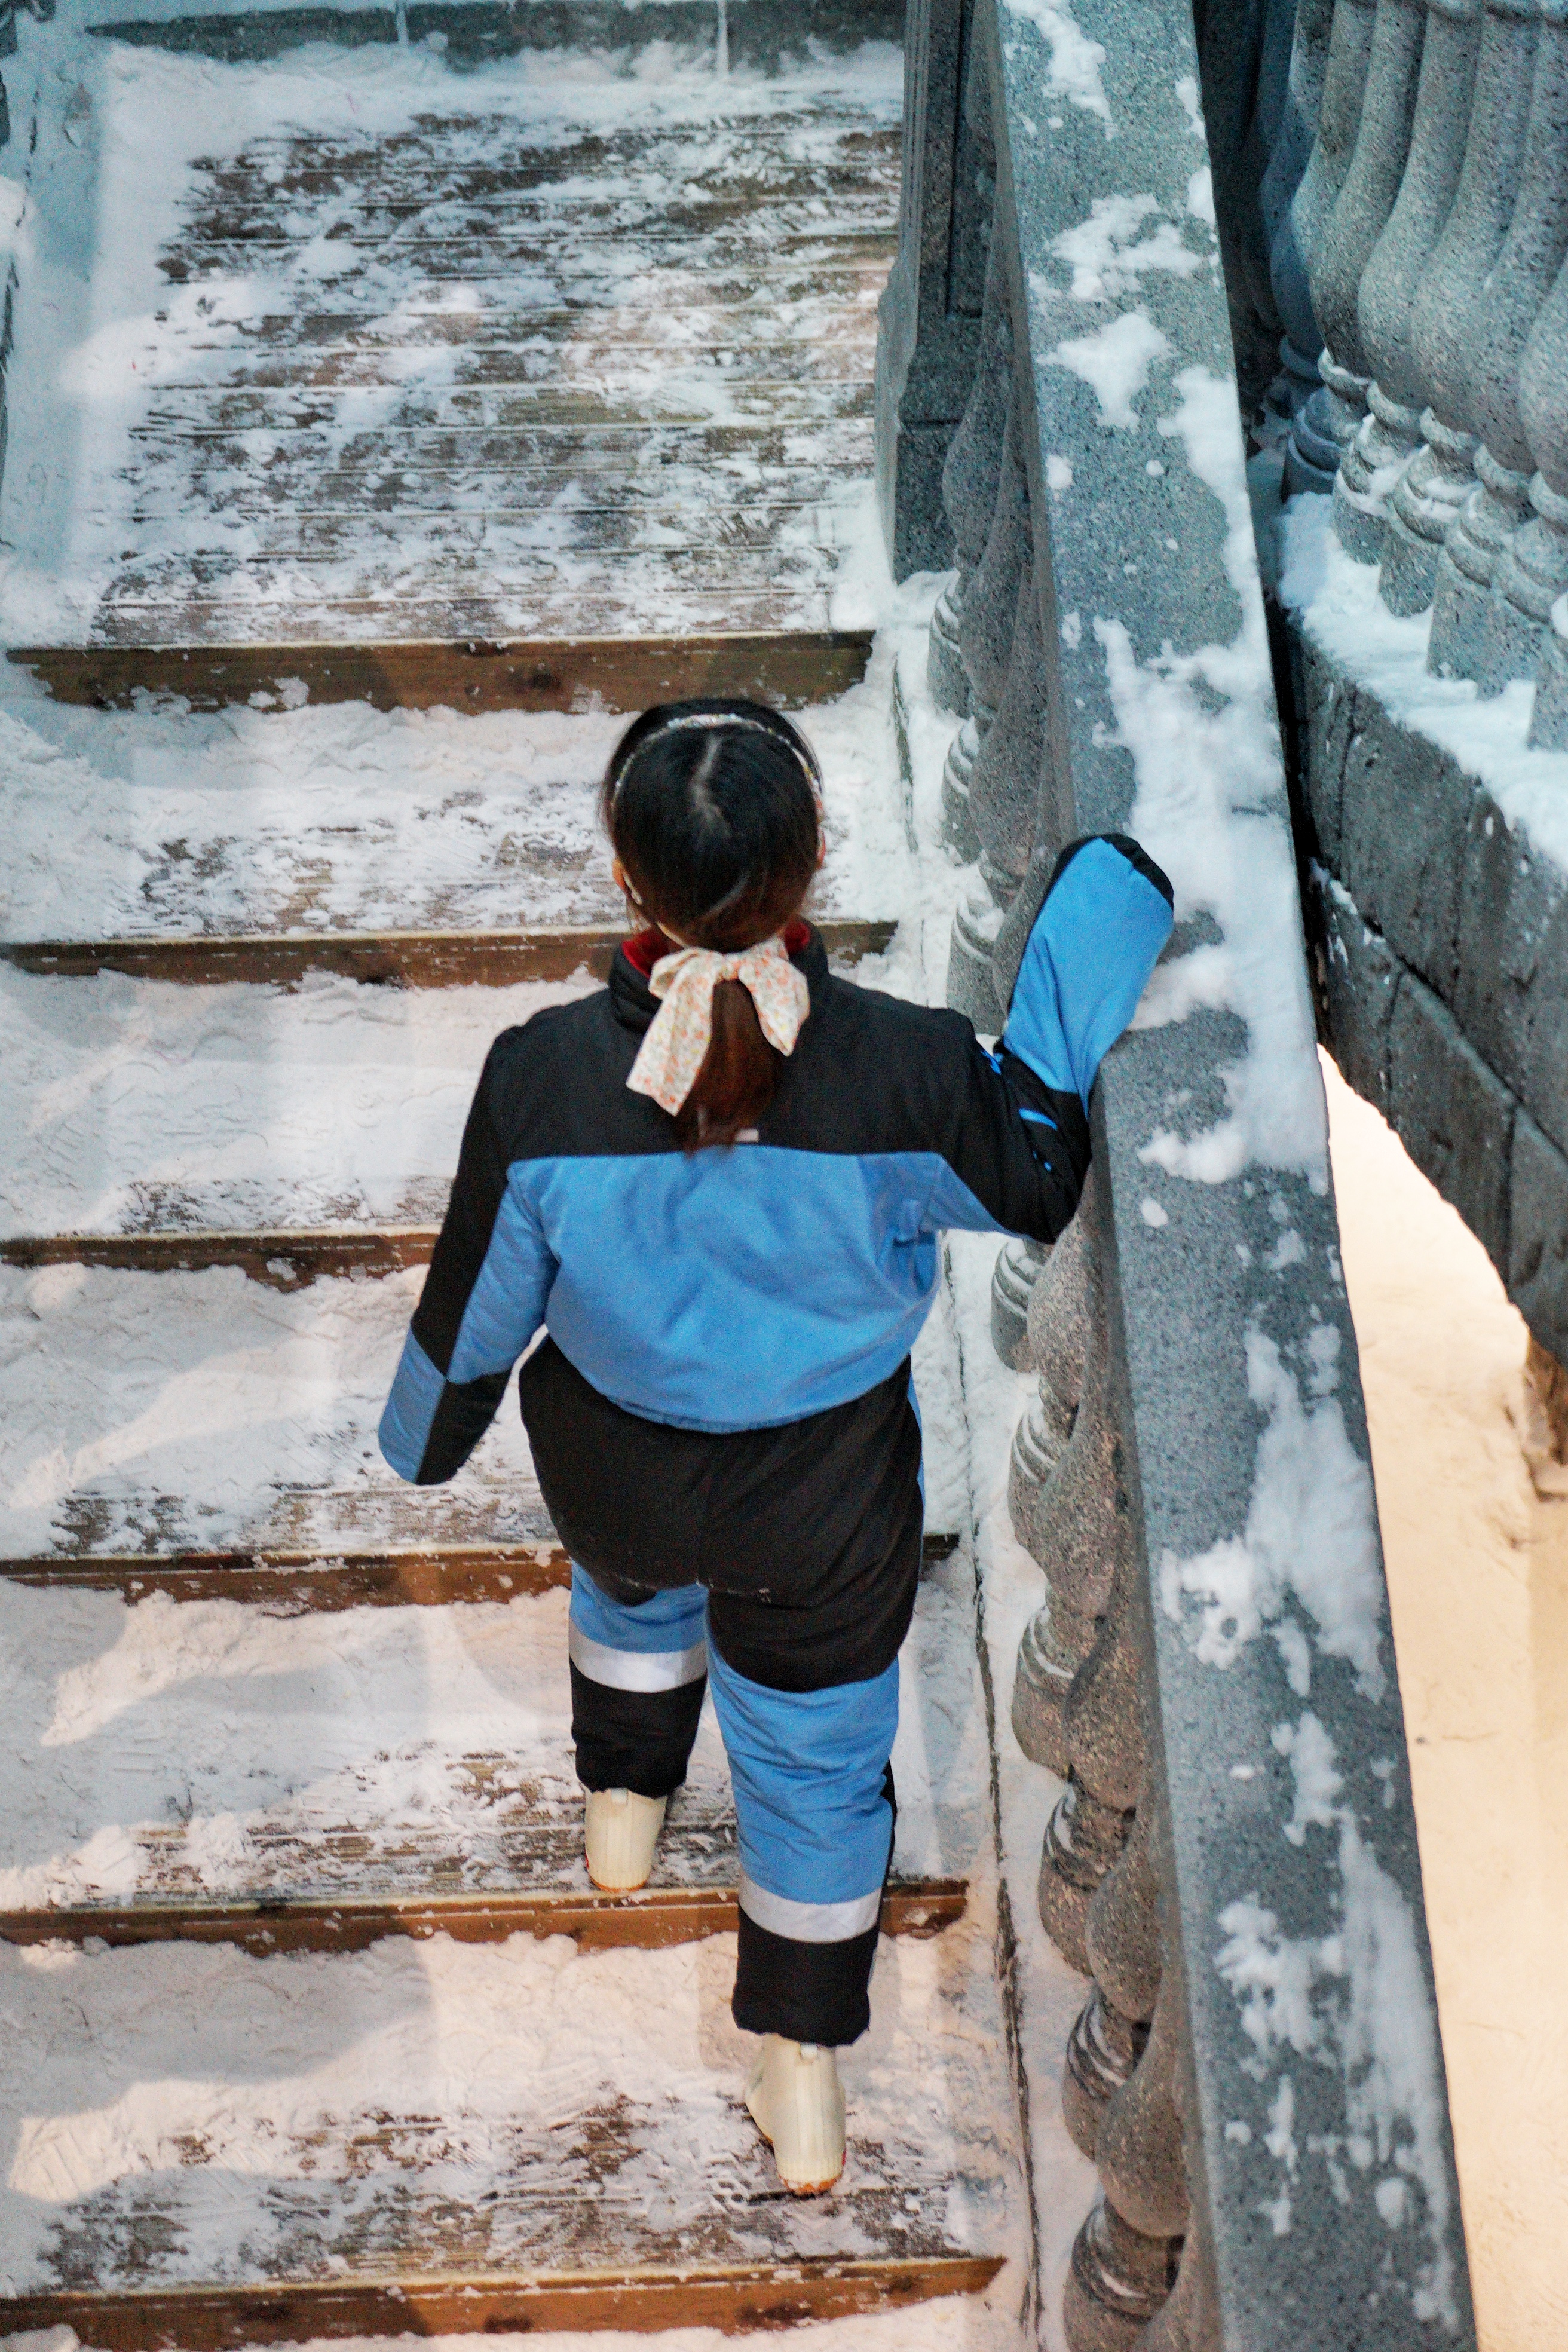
pixel 643 951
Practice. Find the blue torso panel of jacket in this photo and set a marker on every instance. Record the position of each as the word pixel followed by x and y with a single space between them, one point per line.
pixel 742 1286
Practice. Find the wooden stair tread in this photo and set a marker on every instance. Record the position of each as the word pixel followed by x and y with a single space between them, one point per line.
pixel 476 562
pixel 292 1778
pixel 416 959
pixel 289 1919
pixel 474 657
pixel 300 1583
pixel 732 2298
pixel 511 2149
pixel 173 1412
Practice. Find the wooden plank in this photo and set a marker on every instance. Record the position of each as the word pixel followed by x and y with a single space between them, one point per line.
pixel 792 669
pixel 283 1261
pixel 607 514
pixel 468 564
pixel 742 286
pixel 601 362
pixel 346 624
pixel 603 331
pixel 734 2299
pixel 736 247
pixel 650 1920
pixel 402 959
pixel 516 407
pixel 290 1584
pixel 545 451
pixel 769 157
pixel 294 1583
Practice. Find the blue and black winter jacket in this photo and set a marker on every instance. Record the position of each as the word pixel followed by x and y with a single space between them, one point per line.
pixel 756 1286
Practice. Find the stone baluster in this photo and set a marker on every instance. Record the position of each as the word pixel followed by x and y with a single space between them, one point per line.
pixel 1264 129
pixel 1310 459
pixel 1126 2257
pixel 1122 1938
pixel 994 761
pixel 1449 317
pixel 1475 634
pixel 1055 1340
pixel 1017 1271
pixel 970 474
pixel 1292 148
pixel 1391 433
pixel 1005 806
pixel 1543 400
pixel 1060 1450
pixel 1130 2045
pixel 1189 2321
pixel 986 621
pixel 1102 1728
pixel 1230 42
pixel 1360 216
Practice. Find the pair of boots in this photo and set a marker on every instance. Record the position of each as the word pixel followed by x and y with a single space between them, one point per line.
pixel 794 2092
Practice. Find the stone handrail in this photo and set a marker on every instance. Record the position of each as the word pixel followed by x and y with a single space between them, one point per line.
pixel 1257 2068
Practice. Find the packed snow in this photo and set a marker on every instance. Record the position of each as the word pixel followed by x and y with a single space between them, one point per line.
pixel 1338 606
pixel 118 373
pixel 344 818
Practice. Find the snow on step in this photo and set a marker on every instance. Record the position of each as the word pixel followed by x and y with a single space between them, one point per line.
pixel 136 1106
pixel 168 1413
pixel 342 818
pixel 324 264
pixel 184 2118
pixel 213 1753
pixel 129 1106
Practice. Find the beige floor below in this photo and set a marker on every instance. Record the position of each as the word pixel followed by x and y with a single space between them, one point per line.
pixel 1478 1573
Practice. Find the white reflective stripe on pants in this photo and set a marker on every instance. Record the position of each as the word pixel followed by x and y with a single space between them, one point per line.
pixel 809 1923
pixel 635 1669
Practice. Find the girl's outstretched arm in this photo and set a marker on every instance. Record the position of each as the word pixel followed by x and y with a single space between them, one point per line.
pixel 1019 1147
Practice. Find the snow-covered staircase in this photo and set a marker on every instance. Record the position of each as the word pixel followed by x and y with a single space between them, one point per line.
pixel 455 388
pixel 315 2024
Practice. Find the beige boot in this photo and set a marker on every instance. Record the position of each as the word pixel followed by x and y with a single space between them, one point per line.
pixel 620 1830
pixel 797 2104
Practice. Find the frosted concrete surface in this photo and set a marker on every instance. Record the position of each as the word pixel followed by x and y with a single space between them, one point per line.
pixel 1478 1578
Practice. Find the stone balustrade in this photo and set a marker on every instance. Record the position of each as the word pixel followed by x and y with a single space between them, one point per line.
pixel 1434 243
pixel 1231 1858
pixel 1432 251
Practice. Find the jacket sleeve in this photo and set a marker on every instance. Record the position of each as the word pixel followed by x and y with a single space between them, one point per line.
pixel 1020 1151
pixel 483 1300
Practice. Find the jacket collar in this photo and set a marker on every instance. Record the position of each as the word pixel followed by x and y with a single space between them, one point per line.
pixel 633 1002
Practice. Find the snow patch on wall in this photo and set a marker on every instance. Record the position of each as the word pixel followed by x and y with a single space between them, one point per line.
pixel 1201 730
pixel 1342 613
pixel 1076 59
pixel 1110 251
pixel 1311 1536
pixel 1355 2000
pixel 1114 363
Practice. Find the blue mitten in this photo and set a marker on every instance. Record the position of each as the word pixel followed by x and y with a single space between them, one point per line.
pixel 1096 939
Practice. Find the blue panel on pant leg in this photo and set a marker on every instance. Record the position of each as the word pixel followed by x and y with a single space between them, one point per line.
pixel 808 1770
pixel 658 1645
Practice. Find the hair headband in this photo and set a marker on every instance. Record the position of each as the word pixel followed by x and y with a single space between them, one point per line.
pixel 711 719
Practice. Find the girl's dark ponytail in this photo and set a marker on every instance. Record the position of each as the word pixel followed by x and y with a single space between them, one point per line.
pixel 711 807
